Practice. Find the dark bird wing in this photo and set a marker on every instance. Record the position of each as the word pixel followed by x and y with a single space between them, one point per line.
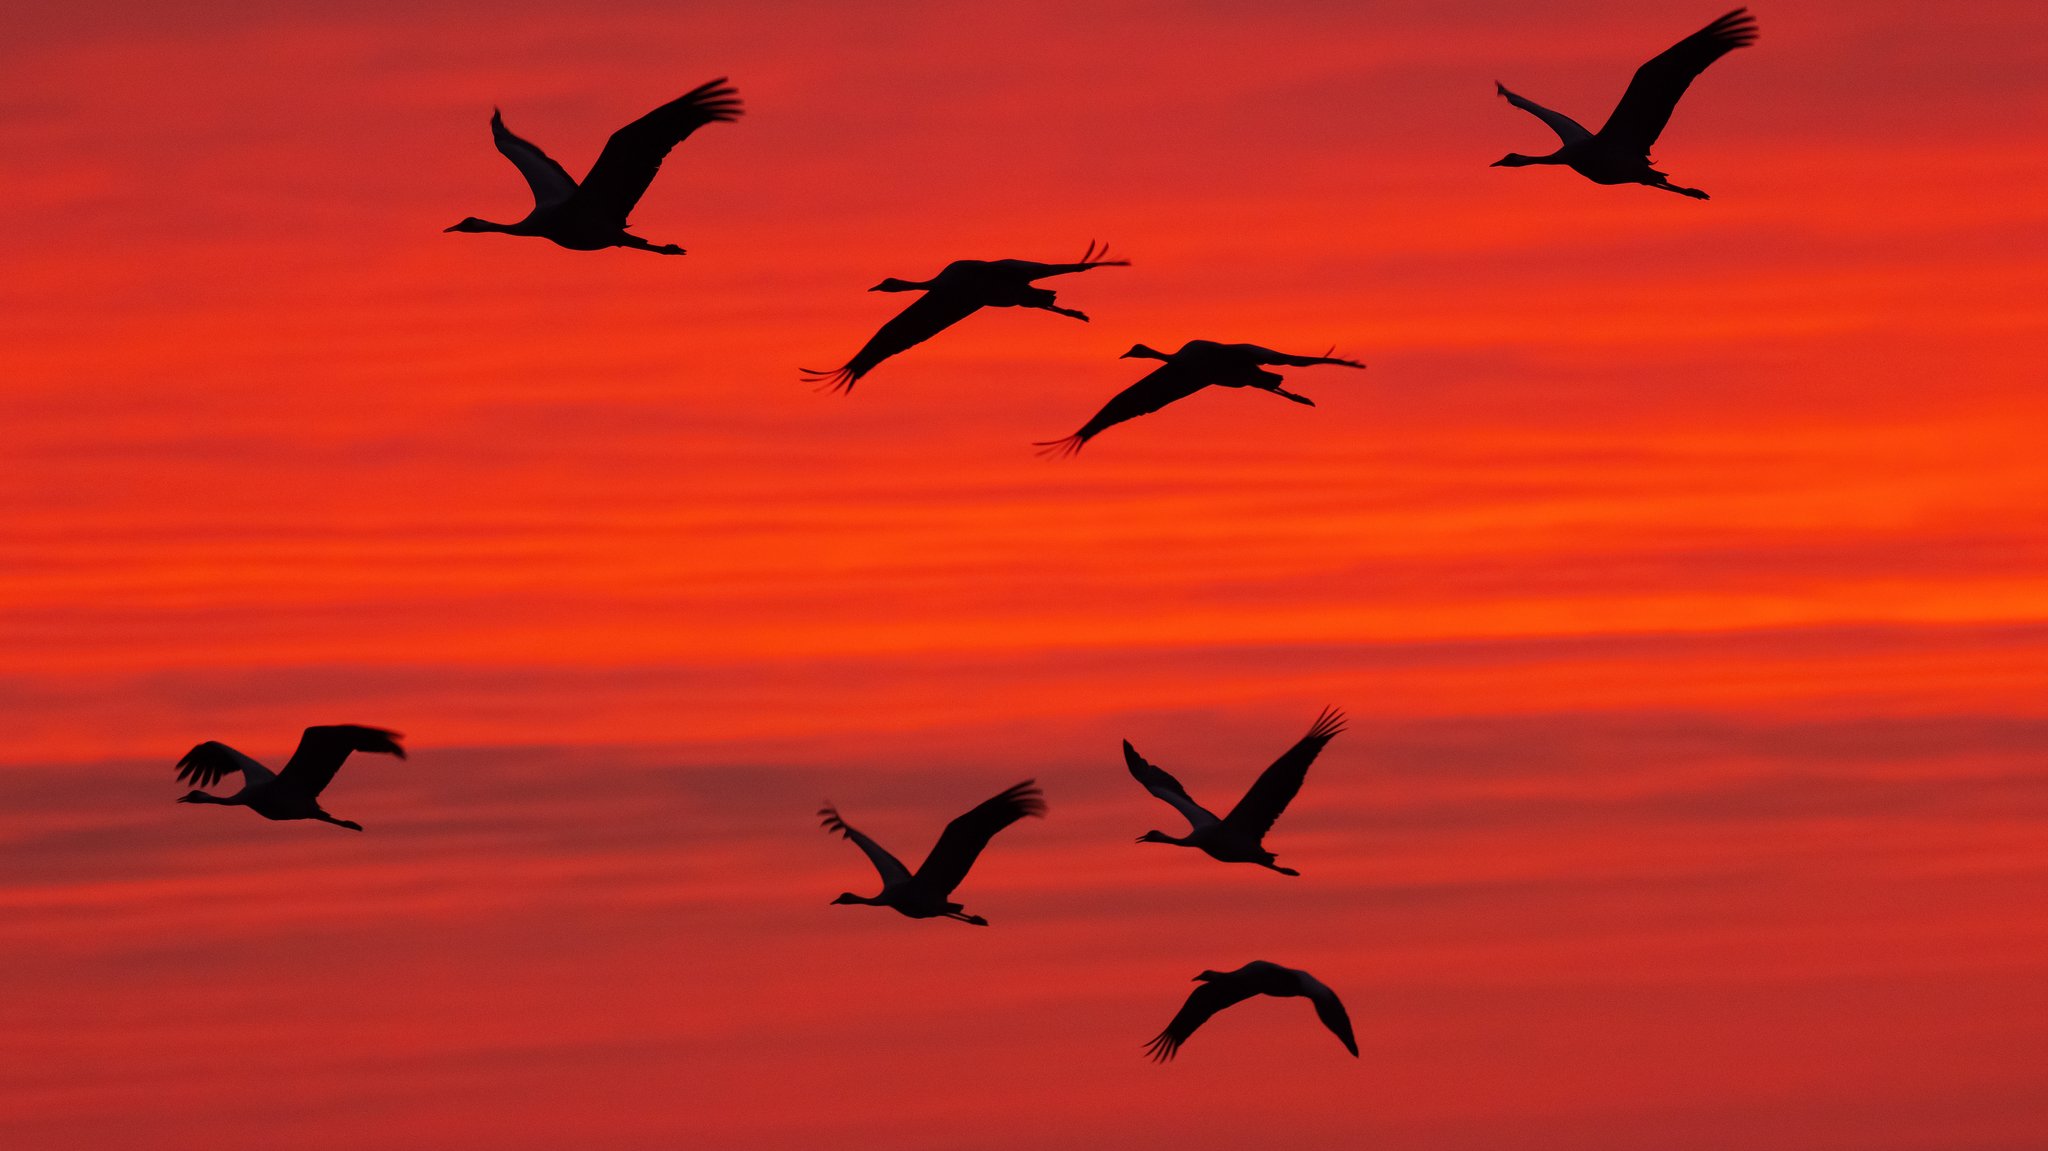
pixel 1095 257
pixel 927 316
pixel 1646 107
pixel 1283 359
pixel 1162 386
pixel 1203 1001
pixel 892 869
pixel 1277 785
pixel 963 839
pixel 1568 130
pixel 205 764
pixel 634 153
pixel 1162 784
pixel 1329 1009
pixel 550 183
pixel 323 749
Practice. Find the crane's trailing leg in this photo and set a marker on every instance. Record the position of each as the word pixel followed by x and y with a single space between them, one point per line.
pixel 1668 186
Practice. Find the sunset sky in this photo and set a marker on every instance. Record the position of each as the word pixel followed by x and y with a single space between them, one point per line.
pixel 1681 567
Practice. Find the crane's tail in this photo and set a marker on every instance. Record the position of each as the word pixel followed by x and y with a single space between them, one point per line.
pixel 1060 449
pixel 836 380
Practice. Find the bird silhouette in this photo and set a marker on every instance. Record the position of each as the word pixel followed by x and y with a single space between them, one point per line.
pixel 961 288
pixel 1221 989
pixel 925 894
pixel 592 215
pixel 293 793
pixel 1238 837
pixel 1197 365
pixel 1619 153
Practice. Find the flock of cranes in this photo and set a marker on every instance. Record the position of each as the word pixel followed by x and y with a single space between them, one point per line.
pixel 593 214
pixel 927 893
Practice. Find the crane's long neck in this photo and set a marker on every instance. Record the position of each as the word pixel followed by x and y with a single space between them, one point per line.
pixel 472 224
pixel 236 800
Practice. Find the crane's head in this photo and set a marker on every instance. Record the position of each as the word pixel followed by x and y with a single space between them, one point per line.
pixel 848 897
pixel 472 224
pixel 197 796
pixel 1515 160
pixel 892 284
pixel 1206 976
pixel 1141 351
pixel 1157 837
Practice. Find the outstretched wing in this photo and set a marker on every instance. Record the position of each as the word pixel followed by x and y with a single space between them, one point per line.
pixel 634 153
pixel 927 316
pixel 1162 386
pixel 1277 785
pixel 550 183
pixel 1203 1002
pixel 1157 781
pixel 323 749
pixel 1261 355
pixel 1568 130
pixel 1097 256
pixel 1329 1009
pixel 205 764
pixel 963 839
pixel 1646 107
pixel 892 869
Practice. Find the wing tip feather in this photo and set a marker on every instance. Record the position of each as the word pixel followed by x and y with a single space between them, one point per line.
pixel 1060 448
pixel 1025 798
pixel 1330 723
pixel 840 379
pixel 1161 1048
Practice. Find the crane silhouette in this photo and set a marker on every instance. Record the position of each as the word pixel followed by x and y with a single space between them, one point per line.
pixel 1619 153
pixel 961 289
pixel 293 793
pixel 1198 364
pixel 927 894
pixel 592 215
pixel 1240 836
pixel 1221 989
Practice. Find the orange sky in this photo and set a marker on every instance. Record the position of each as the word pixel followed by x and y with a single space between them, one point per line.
pixel 1679 564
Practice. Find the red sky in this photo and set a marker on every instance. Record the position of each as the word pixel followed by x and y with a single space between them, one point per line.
pixel 1679 564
